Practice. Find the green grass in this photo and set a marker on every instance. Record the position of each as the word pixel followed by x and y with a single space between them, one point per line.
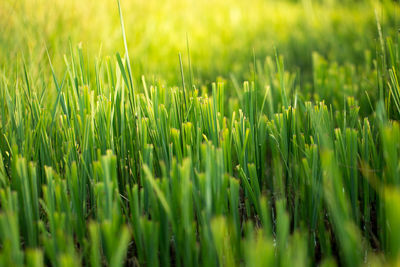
pixel 102 164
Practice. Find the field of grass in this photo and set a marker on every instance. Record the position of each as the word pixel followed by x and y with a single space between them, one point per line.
pixel 199 133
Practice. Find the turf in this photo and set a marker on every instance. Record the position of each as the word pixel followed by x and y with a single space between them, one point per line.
pixel 200 134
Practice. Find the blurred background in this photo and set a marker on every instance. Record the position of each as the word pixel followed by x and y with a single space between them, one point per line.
pixel 223 36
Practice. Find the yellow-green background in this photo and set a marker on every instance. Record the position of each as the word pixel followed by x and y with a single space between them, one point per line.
pixel 222 34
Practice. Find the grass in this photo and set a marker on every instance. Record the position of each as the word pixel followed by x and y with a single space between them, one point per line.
pixel 101 165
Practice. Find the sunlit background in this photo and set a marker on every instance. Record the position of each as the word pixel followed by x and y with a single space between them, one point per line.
pixel 221 35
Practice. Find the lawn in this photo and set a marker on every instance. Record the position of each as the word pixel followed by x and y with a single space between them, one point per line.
pixel 199 133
